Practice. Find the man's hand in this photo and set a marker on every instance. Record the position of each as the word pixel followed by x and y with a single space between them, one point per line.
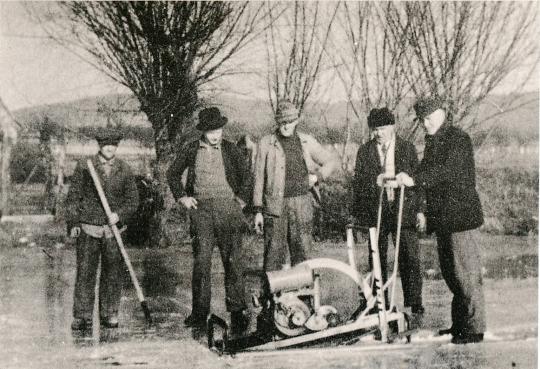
pixel 259 223
pixel 403 179
pixel 75 232
pixel 421 222
pixel 381 177
pixel 188 202
pixel 312 180
pixel 114 219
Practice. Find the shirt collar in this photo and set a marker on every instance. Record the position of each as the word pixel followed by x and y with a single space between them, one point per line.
pixel 205 145
pixel 103 161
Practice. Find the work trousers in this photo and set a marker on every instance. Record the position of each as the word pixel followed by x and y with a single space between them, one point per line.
pixel 409 263
pixel 461 268
pixel 89 251
pixel 217 221
pixel 289 236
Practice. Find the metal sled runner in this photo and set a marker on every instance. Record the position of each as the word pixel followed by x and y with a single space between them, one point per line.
pixel 290 313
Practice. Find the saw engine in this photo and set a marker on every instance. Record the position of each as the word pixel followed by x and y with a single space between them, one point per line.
pixel 293 302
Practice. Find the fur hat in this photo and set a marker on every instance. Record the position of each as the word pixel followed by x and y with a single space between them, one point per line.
pixel 427 105
pixel 380 117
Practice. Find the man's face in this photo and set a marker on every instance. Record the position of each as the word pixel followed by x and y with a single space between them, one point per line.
pixel 433 121
pixel 287 130
pixel 108 151
pixel 383 134
pixel 214 136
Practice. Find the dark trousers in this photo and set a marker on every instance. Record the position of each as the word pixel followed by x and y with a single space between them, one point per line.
pixel 217 222
pixel 289 235
pixel 409 263
pixel 461 266
pixel 89 250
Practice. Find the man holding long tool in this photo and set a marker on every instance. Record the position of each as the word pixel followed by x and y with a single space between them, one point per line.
pixel 379 159
pixel 87 221
pixel 215 194
pixel 454 212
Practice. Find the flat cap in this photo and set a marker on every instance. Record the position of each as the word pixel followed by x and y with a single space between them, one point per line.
pixel 286 112
pixel 108 136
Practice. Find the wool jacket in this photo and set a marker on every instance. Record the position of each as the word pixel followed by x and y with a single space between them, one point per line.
pixel 366 192
pixel 447 173
pixel 83 203
pixel 234 161
pixel 269 172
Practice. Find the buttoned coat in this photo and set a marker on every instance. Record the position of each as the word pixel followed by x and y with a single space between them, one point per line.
pixel 83 203
pixel 447 173
pixel 366 192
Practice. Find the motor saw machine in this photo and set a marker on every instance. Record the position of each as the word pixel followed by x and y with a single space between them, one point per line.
pixel 289 311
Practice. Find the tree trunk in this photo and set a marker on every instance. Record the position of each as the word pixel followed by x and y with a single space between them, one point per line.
pixel 169 126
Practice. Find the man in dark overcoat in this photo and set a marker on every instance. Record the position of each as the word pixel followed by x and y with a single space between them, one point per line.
pixel 383 156
pixel 215 193
pixel 86 220
pixel 447 174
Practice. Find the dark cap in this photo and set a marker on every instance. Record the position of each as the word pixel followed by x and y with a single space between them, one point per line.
pixel 210 119
pixel 427 105
pixel 108 137
pixel 380 117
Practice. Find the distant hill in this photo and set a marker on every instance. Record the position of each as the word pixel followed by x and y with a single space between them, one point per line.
pixel 326 121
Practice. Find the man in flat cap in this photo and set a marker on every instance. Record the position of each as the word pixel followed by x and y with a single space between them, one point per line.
pixel 447 174
pixel 86 220
pixel 382 157
pixel 288 164
pixel 214 194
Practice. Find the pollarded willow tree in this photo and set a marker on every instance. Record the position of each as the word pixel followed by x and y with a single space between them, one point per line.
pixel 163 52
pixel 389 53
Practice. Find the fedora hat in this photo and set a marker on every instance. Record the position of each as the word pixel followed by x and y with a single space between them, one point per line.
pixel 210 119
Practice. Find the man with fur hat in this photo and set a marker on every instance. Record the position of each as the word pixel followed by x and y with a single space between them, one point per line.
pixel 454 212
pixel 86 220
pixel 287 166
pixel 214 194
pixel 382 157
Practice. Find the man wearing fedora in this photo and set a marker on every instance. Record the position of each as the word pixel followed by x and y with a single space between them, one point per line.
pixel 454 212
pixel 288 165
pixel 382 157
pixel 86 220
pixel 214 194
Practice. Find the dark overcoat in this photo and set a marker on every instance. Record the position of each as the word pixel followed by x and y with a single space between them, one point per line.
pixel 447 173
pixel 366 192
pixel 83 204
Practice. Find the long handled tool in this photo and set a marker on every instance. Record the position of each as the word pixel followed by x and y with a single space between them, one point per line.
pixel 119 241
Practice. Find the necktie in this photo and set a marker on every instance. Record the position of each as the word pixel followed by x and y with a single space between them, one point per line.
pixel 389 191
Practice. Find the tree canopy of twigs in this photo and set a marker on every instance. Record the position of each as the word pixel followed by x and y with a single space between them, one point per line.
pixel 295 44
pixel 390 53
pixel 164 52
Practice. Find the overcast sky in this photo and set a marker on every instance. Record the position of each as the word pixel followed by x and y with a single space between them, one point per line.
pixel 35 70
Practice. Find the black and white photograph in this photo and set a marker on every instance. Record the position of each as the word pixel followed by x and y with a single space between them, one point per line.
pixel 269 184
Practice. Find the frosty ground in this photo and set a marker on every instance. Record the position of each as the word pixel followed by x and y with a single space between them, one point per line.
pixel 37 273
